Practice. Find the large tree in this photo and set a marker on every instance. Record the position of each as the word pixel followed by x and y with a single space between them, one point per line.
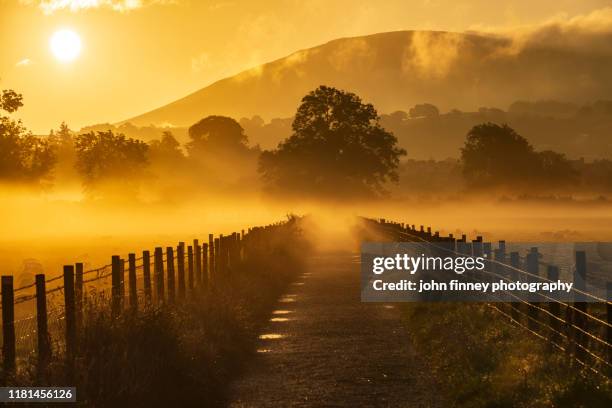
pixel 23 156
pixel 105 158
pixel 337 148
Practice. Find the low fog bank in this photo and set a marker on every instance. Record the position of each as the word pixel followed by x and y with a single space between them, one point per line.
pixel 41 232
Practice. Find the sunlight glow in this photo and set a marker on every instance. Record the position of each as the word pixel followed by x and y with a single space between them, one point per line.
pixel 65 45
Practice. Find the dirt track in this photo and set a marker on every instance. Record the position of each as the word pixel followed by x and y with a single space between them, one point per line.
pixel 332 350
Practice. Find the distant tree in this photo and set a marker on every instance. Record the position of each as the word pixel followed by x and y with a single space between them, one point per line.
pixel 107 157
pixel 424 110
pixel 398 116
pixel 337 148
pixel 215 134
pixel 495 155
pixel 219 147
pixel 555 169
pixel 62 141
pixel 254 122
pixel 166 152
pixel 23 157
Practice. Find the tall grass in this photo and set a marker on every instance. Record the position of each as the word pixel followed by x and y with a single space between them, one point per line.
pixel 481 361
pixel 175 355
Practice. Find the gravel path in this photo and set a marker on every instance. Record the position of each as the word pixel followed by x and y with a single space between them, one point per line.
pixel 324 348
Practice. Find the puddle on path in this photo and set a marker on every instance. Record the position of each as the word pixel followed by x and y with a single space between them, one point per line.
pixel 282 312
pixel 287 298
pixel 271 336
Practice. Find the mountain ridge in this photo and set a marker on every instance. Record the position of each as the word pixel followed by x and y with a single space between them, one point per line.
pixel 395 70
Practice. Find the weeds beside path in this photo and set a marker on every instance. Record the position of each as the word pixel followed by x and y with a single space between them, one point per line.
pixel 326 348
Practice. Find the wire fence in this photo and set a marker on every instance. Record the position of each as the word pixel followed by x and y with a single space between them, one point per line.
pixel 581 329
pixel 43 318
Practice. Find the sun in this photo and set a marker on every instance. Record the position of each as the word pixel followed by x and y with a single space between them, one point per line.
pixel 65 45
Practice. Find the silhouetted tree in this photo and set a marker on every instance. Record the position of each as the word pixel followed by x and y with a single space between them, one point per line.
pixel 23 157
pixel 216 134
pixel 337 148
pixel 62 143
pixel 555 169
pixel 495 155
pixel 10 100
pixel 424 110
pixel 167 149
pixel 220 148
pixel 107 157
pixel 166 155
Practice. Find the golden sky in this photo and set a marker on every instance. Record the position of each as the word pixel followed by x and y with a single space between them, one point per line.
pixel 140 54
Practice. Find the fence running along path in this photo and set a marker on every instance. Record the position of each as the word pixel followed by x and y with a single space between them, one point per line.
pixel 583 331
pixel 44 318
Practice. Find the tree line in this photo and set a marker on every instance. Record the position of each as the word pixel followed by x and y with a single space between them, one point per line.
pixel 337 148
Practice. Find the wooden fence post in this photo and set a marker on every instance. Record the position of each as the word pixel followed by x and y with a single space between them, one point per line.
pixel 205 273
pixel 132 280
pixel 211 257
pixel 241 246
pixel 78 293
pixel 477 252
pixel 552 273
pixel 486 253
pixel 218 270
pixel 42 328
pixel 197 262
pixel 533 267
pixel 159 273
pixel 221 254
pixel 69 304
pixel 116 286
pixel 122 280
pixel 580 278
pixel 8 325
pixel 180 264
pixel 499 269
pixel 502 246
pixel 146 276
pixel 190 267
pixel 515 263
pixel 170 273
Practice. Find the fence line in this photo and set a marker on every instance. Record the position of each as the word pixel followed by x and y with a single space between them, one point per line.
pixel 50 325
pixel 585 344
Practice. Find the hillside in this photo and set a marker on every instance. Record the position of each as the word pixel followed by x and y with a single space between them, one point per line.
pixel 396 70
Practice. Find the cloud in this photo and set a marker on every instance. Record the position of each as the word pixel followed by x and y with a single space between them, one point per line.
pixel 432 54
pixel 51 6
pixel 590 31
pixel 24 62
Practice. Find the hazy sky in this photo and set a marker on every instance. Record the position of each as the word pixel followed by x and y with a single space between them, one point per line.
pixel 140 54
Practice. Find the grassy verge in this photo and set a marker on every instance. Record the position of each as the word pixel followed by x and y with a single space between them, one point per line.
pixel 183 355
pixel 481 361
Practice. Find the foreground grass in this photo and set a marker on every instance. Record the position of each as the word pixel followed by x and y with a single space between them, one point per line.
pixel 482 361
pixel 183 355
